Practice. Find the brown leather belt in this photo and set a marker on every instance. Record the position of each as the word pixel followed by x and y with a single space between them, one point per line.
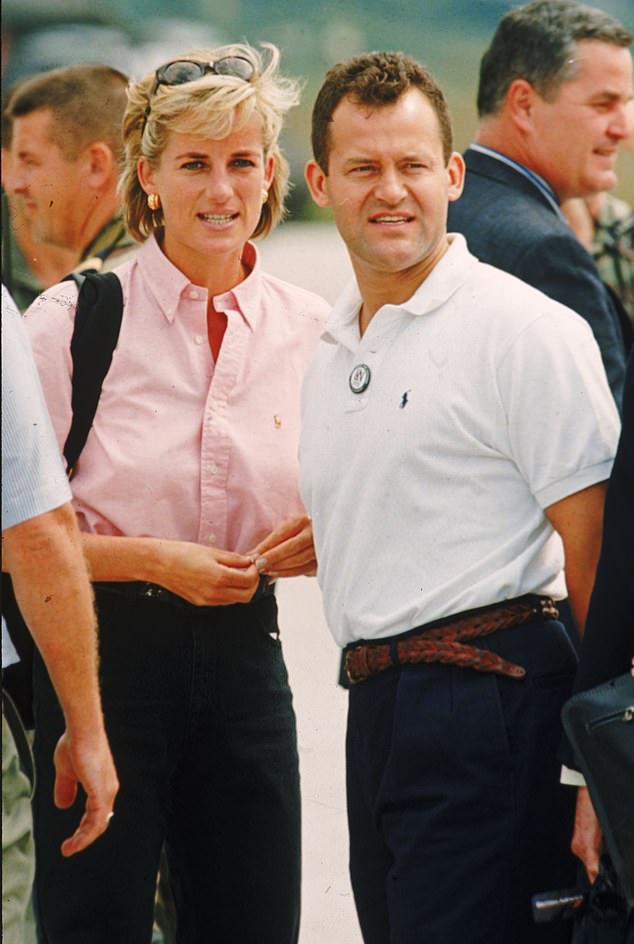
pixel 443 640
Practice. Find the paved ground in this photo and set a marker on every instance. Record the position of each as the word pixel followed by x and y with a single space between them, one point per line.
pixel 328 915
pixel 313 256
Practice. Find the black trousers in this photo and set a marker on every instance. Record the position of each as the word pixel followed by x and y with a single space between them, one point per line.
pixel 200 720
pixel 455 809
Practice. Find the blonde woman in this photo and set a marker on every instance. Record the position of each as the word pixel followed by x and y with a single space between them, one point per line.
pixel 186 491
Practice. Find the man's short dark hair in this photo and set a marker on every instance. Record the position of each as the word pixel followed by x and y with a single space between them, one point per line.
pixel 375 79
pixel 537 42
pixel 87 103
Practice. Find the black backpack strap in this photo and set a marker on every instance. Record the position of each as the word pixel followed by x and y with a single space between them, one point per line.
pixel 95 335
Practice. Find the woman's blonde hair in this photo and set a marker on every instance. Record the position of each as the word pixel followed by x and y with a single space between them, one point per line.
pixel 213 106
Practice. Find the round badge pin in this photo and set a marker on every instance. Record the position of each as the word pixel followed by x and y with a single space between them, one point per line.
pixel 360 378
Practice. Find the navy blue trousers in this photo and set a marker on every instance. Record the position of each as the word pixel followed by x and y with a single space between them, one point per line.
pixel 455 809
pixel 200 720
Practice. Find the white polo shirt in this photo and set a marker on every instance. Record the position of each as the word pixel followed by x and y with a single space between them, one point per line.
pixel 487 402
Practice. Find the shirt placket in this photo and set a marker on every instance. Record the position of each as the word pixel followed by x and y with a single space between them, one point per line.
pixel 215 449
pixel 364 364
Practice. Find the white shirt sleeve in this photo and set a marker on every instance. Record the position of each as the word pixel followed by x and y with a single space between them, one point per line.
pixel 33 476
pixel 571 778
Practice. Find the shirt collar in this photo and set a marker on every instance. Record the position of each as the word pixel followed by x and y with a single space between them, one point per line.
pixel 167 284
pixel 536 179
pixel 246 296
pixel 445 278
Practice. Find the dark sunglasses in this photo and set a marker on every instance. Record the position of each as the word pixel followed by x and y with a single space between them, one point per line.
pixel 181 71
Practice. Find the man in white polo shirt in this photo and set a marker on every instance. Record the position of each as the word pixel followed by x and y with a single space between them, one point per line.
pixel 457 432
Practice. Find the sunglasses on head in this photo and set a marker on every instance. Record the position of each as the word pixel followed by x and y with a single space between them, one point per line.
pixel 181 71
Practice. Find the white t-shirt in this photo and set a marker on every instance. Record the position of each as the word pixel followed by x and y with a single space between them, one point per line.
pixel 487 402
pixel 33 476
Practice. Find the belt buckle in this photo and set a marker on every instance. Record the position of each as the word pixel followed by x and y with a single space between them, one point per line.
pixel 361 652
pixel 152 591
pixel 346 667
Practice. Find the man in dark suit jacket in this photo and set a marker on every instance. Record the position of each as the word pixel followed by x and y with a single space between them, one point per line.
pixel 554 86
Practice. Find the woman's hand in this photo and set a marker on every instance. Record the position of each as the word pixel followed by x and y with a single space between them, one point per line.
pixel 586 839
pixel 288 551
pixel 206 576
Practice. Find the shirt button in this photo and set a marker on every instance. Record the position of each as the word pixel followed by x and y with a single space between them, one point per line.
pixel 212 538
pixel 213 468
pixel 199 339
pixel 194 294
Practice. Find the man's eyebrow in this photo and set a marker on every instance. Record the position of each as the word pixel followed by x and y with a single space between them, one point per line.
pixel 418 156
pixel 611 95
pixel 359 160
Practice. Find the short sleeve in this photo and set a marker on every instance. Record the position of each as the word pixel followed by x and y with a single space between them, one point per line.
pixel 563 425
pixel 33 474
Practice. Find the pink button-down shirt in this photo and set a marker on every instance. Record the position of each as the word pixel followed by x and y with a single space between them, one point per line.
pixel 181 448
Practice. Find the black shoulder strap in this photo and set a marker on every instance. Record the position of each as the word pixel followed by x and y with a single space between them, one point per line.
pixel 97 325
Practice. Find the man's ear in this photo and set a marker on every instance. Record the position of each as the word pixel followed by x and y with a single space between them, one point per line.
pixel 456 174
pixel 520 103
pixel 317 182
pixel 99 163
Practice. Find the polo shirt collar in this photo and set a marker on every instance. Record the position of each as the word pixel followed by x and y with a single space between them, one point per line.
pixel 446 278
pixel 167 284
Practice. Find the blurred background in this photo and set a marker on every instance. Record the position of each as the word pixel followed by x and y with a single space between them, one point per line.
pixel 449 36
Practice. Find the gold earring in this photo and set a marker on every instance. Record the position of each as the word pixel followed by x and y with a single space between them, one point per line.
pixel 265 195
pixel 153 201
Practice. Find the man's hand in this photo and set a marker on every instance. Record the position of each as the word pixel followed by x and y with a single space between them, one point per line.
pixel 288 551
pixel 586 839
pixel 87 762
